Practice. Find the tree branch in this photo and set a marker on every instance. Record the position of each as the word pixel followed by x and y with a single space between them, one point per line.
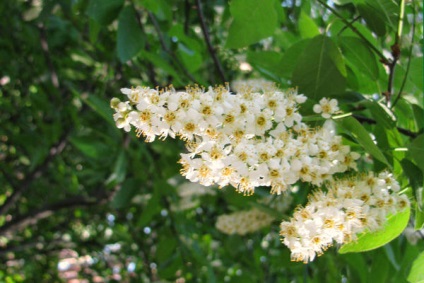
pixel 208 41
pixel 33 217
pixel 38 171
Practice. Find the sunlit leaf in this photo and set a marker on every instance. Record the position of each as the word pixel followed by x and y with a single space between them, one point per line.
pixel 307 26
pixel 416 275
pixel 371 240
pixel 252 22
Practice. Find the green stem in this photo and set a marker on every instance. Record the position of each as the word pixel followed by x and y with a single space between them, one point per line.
pixel 400 23
pixel 410 49
pixel 395 54
pixel 383 59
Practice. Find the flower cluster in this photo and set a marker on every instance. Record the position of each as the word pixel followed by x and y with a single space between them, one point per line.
pixel 349 207
pixel 243 222
pixel 254 138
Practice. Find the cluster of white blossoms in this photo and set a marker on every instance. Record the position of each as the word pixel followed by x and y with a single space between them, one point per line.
pixel 256 137
pixel 243 222
pixel 250 139
pixel 347 208
pixel 249 221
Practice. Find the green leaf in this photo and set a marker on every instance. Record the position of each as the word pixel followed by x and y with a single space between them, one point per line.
pixel 101 107
pixel 419 218
pixel 416 275
pixel 342 2
pixel 166 247
pixel 89 147
pixel 359 55
pixel 418 116
pixel 161 63
pixel 357 265
pixel 355 129
pixel 339 28
pixel 380 15
pixel 414 82
pixel 154 207
pixel 416 151
pixel 381 113
pixel 94 29
pixel 189 49
pixel 307 26
pixel 128 190
pixel 104 11
pixel 320 71
pixel 268 60
pixel 130 36
pixel 290 58
pixel 413 173
pixel 371 240
pixel 120 170
pixel 380 268
pixel 161 8
pixel 252 22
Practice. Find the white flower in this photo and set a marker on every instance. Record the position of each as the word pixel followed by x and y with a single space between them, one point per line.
pixel 326 107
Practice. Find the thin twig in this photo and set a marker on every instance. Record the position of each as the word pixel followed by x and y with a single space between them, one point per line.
pixel 56 149
pixel 208 41
pixel 346 26
pixel 383 58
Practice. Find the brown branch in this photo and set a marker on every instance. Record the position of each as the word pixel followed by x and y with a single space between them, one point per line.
pixel 56 149
pixel 31 218
pixel 208 41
